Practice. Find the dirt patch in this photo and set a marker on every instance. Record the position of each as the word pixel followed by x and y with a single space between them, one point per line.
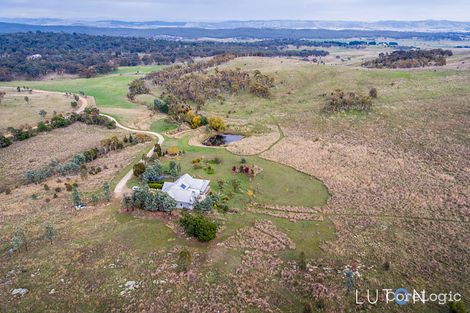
pixel 263 236
pixel 254 144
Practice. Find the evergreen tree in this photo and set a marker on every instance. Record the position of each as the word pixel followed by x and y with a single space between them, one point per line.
pixel 49 232
pixel 76 200
pixel 106 192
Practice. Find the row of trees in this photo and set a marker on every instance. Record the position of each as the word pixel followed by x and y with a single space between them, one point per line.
pixel 150 200
pixel 89 116
pixel 410 59
pixel 78 162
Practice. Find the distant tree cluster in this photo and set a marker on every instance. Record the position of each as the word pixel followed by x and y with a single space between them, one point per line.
pixel 339 101
pixel 410 59
pixel 189 84
pixel 32 55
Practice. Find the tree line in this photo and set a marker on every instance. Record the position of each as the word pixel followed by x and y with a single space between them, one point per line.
pixel 32 55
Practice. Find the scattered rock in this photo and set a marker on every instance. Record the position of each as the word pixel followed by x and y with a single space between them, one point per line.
pixel 19 291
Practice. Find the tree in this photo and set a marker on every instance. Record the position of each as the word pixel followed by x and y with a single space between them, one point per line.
pixel 43 113
pixel 168 204
pixel 199 226
pixel 349 280
pixel 2 94
pixel 158 150
pixel 83 172
pixel 94 199
pixel 138 169
pixel 49 232
pixel 19 239
pixel 184 260
pixel 106 191
pixel 76 200
pixel 205 205
pixel 175 169
pixel 152 173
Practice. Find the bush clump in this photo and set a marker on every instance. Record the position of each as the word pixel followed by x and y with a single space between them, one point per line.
pixel 199 226
pixel 339 101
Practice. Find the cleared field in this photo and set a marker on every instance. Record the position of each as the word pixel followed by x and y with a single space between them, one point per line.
pixel 60 144
pixel 16 111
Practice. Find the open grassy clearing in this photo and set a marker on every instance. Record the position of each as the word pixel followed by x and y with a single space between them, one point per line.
pixel 16 111
pixel 109 91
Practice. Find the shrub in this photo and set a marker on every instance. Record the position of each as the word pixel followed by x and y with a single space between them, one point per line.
pixel 339 101
pixel 216 123
pixel 49 232
pixel 76 200
pixel 184 260
pixel 158 150
pixel 161 106
pixel 94 199
pixel 152 173
pixel 4 141
pixel 139 169
pixel 7 191
pixel 175 169
pixel 373 92
pixel 457 307
pixel 58 189
pixel 216 160
pixel 205 205
pixel 155 185
pixel 174 150
pixel 106 191
pixel 199 226
pixel 210 170
pixel 46 187
pixel 302 261
pixel 68 187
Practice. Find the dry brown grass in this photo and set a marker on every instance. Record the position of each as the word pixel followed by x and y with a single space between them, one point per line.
pixel 60 144
pixel 16 111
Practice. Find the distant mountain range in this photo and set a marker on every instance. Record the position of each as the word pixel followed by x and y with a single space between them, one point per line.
pixel 247 30
pixel 421 26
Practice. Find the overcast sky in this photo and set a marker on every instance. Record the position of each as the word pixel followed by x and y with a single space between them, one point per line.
pixel 217 10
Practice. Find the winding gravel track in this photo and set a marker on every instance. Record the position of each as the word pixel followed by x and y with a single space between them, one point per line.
pixel 121 186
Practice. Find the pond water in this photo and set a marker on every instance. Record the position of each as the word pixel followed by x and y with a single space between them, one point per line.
pixel 222 139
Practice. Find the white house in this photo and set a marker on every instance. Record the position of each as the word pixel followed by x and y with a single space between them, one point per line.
pixel 186 190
